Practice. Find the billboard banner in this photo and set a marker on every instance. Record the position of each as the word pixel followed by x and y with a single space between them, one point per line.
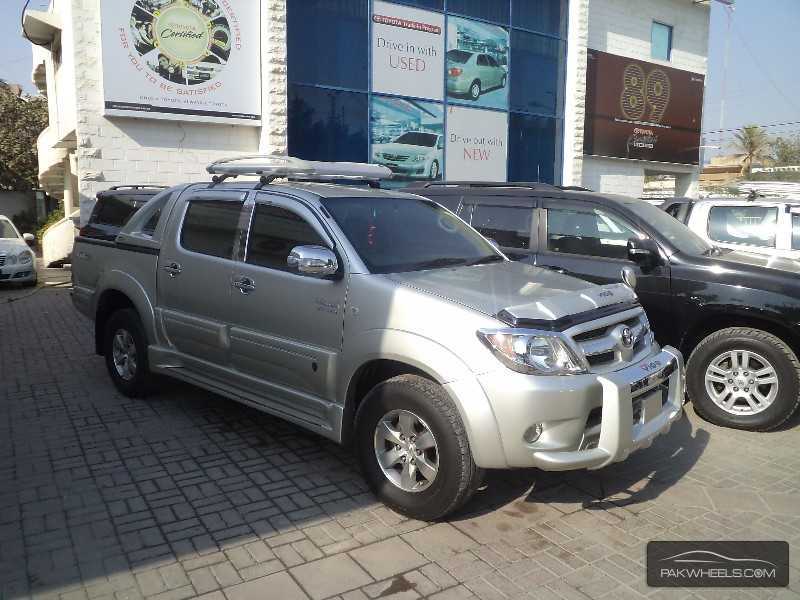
pixel 477 144
pixel 641 110
pixel 187 60
pixel 407 51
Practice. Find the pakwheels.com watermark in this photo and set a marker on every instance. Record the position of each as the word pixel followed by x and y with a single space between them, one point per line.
pixel 718 564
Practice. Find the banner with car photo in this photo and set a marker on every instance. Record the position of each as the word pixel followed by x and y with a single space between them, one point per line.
pixel 477 63
pixel 182 60
pixel 408 137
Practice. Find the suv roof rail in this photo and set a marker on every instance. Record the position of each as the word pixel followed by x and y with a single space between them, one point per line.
pixel 487 184
pixel 273 167
pixel 137 186
pixel 573 188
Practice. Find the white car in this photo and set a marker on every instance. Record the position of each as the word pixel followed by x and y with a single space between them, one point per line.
pixel 765 225
pixel 416 154
pixel 17 261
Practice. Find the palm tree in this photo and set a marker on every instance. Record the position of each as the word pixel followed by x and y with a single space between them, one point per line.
pixel 753 143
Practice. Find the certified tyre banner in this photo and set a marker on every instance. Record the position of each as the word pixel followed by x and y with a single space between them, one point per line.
pixel 188 60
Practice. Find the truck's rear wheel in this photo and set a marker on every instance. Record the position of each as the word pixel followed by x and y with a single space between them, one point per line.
pixel 413 448
pixel 744 378
pixel 125 351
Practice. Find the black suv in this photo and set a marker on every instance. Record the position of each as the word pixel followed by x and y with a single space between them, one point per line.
pixel 114 207
pixel 736 316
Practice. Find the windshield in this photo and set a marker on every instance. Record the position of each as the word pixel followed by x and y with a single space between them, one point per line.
pixel 393 235
pixel 679 235
pixel 7 230
pixel 458 56
pixel 416 138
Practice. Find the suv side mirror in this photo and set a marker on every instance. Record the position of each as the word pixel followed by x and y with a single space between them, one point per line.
pixel 29 239
pixel 643 252
pixel 314 261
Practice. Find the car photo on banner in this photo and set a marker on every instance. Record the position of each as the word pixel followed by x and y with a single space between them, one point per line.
pixel 408 137
pixel 477 63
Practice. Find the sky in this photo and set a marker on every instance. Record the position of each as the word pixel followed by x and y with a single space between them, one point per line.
pixel 760 85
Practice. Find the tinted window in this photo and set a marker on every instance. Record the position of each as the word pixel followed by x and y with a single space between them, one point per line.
pixel 795 232
pixel 394 234
pixel 210 227
pixel 7 230
pixel 532 53
pixel 327 124
pixel 458 56
pixel 750 225
pixel 509 226
pixel 417 139
pixel 111 210
pixel 482 62
pixel 667 228
pixel 590 233
pixel 273 234
pixel 149 228
pixel 661 41
pixel 532 148
pixel 490 10
pixel 327 42
pixel 547 16
pixel 673 210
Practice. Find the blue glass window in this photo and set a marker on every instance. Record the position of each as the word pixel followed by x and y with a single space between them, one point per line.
pixel 547 16
pixel 533 148
pixel 434 4
pixel 327 124
pixel 661 41
pixel 327 42
pixel 497 11
pixel 537 64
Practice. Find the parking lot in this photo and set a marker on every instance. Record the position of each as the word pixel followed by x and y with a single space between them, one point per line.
pixel 185 494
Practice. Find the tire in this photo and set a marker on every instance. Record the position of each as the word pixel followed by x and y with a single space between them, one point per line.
pixel 503 81
pixel 457 477
pixel 719 364
pixel 475 90
pixel 433 172
pixel 136 381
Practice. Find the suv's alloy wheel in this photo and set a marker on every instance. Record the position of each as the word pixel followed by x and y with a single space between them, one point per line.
pixel 744 378
pixel 413 448
pixel 125 351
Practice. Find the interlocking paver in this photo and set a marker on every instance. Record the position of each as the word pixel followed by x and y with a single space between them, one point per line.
pixel 184 494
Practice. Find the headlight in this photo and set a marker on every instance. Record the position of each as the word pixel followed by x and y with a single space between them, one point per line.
pixel 532 352
pixel 25 257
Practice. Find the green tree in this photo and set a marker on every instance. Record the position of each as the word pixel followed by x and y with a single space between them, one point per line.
pixel 22 119
pixel 786 150
pixel 753 142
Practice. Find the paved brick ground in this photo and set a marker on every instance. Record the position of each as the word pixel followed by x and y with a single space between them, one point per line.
pixel 186 494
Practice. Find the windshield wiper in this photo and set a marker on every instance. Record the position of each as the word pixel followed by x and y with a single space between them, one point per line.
pixel 487 259
pixel 440 262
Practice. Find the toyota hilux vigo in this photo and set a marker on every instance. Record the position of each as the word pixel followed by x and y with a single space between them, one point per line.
pixel 380 319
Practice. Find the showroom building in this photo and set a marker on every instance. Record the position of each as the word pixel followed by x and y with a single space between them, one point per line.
pixel 595 93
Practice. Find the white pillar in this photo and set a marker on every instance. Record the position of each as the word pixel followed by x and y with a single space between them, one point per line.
pixel 69 196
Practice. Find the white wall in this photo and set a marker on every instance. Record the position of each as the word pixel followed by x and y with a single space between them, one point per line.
pixel 122 150
pixel 623 27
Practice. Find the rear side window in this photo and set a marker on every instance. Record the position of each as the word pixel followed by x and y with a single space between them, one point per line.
pixel 210 227
pixel 114 211
pixel 274 233
pixel 509 226
pixel 748 225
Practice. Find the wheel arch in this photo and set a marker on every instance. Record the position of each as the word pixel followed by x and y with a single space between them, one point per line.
pixel 122 291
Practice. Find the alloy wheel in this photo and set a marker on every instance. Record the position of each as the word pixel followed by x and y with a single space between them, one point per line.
pixel 406 450
pixel 741 382
pixel 124 354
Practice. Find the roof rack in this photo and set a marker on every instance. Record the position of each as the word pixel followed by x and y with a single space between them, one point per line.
pixel 138 186
pixel 271 168
pixel 486 184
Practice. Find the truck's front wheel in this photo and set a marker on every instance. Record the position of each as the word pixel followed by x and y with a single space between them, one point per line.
pixel 744 378
pixel 413 448
pixel 125 351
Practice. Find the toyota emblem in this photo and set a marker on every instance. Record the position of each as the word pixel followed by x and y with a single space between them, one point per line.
pixel 627 337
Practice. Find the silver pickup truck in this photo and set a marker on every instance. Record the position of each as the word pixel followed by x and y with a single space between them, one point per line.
pixel 378 318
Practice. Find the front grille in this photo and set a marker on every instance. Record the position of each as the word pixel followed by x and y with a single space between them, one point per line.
pixel 601 341
pixel 2 259
pixel 395 157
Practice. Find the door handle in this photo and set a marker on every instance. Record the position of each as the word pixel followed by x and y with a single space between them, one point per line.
pixel 173 269
pixel 244 284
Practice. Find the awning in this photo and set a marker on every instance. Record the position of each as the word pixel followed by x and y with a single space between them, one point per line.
pixel 41 27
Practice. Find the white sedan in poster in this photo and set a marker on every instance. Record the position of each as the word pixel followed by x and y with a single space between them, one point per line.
pixel 415 154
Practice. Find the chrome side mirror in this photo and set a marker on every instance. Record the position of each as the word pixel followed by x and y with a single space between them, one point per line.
pixel 629 277
pixel 314 261
pixel 28 237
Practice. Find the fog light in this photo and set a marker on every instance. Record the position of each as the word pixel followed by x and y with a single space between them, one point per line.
pixel 533 433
